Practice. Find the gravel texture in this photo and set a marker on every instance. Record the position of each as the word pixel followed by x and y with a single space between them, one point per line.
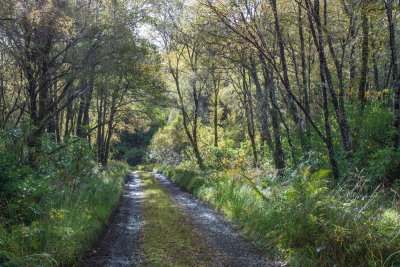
pixel 228 246
pixel 119 245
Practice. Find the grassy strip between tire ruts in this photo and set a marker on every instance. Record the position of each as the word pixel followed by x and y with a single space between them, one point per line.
pixel 168 239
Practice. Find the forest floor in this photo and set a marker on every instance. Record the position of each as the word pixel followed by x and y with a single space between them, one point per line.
pixel 158 224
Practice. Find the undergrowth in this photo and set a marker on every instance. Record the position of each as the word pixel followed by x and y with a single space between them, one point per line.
pixel 303 219
pixel 53 201
pixel 67 225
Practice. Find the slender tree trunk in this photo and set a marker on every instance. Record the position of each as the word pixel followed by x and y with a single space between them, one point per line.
pixel 395 74
pixel 328 131
pixel 325 84
pixel 318 40
pixel 103 126
pixel 100 128
pixel 338 64
pixel 269 86
pixel 296 118
pixel 377 84
pixel 364 59
pixel 195 126
pixel 2 92
pixel 263 108
pixel 81 109
pixel 306 99
pixel 192 136
pixel 248 105
pixel 352 61
pixel 83 115
pixel 86 119
pixel 289 138
pixel 110 129
pixel 52 125
pixel 216 93
pixel 68 118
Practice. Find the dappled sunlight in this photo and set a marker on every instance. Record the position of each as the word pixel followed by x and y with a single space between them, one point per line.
pixel 275 121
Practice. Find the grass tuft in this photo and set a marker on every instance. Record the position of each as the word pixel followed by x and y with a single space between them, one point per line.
pixel 168 238
pixel 68 225
pixel 304 221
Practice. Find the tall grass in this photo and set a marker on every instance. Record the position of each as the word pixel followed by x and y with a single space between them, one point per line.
pixel 70 221
pixel 304 220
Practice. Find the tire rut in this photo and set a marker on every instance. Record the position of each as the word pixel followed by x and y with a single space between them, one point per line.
pixel 120 244
pixel 230 248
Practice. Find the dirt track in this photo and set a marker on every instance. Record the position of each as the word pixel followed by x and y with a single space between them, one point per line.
pixel 120 245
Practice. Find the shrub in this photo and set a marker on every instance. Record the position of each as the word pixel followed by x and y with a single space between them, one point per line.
pixel 168 144
pixel 188 179
pixel 54 200
pixel 304 220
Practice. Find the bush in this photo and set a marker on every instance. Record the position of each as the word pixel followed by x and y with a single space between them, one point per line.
pixel 54 201
pixel 384 167
pixel 188 179
pixel 168 144
pixel 303 219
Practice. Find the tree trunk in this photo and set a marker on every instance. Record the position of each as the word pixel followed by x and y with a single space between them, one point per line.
pixel 263 107
pixel 318 40
pixel 192 136
pixel 364 59
pixel 195 126
pixel 306 100
pixel 377 83
pixel 53 124
pixel 328 131
pixel 395 74
pixel 81 110
pixel 216 93
pixel 269 86
pixel 248 105
pixel 68 118
pixel 83 115
pixel 326 82
pixel 100 128
pixel 110 129
pixel 292 107
pixel 352 62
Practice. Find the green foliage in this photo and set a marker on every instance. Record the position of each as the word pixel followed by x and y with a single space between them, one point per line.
pixel 168 144
pixel 303 220
pixel 374 161
pixel 30 177
pixel 132 147
pixel 188 179
pixel 384 167
pixel 54 201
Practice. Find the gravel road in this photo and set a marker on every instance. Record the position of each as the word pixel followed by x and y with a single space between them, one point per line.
pixel 119 245
pixel 230 248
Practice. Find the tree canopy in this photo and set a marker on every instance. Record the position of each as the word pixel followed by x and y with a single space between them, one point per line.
pixel 292 102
